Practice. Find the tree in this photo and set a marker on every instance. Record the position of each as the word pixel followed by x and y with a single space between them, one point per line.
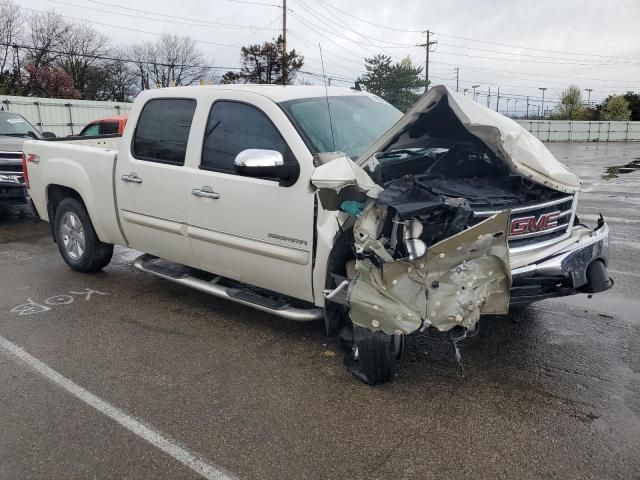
pixel 399 84
pixel 120 80
pixel 83 48
pixel 51 82
pixel 615 107
pixel 571 105
pixel 44 38
pixel 11 24
pixel 264 64
pixel 634 104
pixel 172 60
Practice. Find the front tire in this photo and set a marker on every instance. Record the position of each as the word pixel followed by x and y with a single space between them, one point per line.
pixel 372 356
pixel 77 241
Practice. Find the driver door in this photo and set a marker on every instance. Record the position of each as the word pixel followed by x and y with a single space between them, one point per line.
pixel 254 230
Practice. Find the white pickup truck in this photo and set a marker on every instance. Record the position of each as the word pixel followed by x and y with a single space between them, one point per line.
pixel 327 204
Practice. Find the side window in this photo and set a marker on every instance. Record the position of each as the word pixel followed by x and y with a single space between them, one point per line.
pixel 90 130
pixel 163 129
pixel 233 127
pixel 109 128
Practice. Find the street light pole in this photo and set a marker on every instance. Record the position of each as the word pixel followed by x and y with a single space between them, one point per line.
pixel 474 91
pixel 543 89
pixel 589 90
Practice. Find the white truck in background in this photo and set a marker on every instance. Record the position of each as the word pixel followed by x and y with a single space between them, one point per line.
pixel 327 204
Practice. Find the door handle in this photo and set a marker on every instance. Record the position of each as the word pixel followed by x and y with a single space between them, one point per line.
pixel 205 192
pixel 131 178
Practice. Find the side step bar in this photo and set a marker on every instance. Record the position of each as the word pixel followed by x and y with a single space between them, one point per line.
pixel 182 275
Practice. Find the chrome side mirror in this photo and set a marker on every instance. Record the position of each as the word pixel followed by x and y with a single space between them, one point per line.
pixel 255 158
pixel 255 162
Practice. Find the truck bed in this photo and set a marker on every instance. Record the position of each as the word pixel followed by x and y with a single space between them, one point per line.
pixel 86 169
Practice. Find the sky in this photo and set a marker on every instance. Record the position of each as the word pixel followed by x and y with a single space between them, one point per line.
pixel 516 45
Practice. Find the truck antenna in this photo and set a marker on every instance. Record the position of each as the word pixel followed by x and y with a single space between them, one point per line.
pixel 326 95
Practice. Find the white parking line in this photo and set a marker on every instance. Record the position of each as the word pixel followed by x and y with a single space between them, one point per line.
pixel 154 438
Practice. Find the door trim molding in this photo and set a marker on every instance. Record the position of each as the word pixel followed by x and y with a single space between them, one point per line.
pixel 251 245
pixel 154 222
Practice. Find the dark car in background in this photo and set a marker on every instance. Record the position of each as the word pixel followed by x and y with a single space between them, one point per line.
pixel 14 130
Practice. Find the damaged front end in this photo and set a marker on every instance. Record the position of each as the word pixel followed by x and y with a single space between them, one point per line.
pixel 407 277
pixel 435 219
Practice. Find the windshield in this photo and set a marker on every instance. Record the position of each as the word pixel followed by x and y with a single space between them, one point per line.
pixel 358 121
pixel 14 125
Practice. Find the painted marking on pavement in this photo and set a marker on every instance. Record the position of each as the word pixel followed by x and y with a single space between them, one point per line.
pixel 156 439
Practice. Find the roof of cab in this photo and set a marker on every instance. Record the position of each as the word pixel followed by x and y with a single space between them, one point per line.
pixel 277 93
pixel 114 118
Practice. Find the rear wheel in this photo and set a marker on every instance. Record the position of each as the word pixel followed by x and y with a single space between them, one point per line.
pixel 371 356
pixel 77 240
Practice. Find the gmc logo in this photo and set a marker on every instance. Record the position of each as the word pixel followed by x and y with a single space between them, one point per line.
pixel 522 225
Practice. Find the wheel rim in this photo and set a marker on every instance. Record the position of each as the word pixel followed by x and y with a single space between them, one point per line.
pixel 73 239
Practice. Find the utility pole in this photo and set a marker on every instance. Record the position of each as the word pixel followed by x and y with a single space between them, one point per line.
pixel 507 106
pixel 589 90
pixel 284 43
pixel 474 91
pixel 543 89
pixel 489 96
pixel 457 78
pixel 515 108
pixel 498 101
pixel 427 47
pixel 527 107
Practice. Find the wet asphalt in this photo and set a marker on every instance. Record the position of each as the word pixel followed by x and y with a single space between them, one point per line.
pixel 552 391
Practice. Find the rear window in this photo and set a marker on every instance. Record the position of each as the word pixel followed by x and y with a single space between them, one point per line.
pixel 163 130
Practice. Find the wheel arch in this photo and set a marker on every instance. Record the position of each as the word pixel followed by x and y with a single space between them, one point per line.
pixel 55 193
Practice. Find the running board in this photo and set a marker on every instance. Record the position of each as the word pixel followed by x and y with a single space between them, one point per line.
pixel 182 275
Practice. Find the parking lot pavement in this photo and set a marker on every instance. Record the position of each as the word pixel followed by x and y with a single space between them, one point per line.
pixel 553 391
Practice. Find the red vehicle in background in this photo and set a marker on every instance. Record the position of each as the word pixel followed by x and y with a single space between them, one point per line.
pixel 105 126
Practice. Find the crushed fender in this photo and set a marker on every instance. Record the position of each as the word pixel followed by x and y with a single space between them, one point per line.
pixel 458 279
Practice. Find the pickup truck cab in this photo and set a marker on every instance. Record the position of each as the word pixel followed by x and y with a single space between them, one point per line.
pixel 313 204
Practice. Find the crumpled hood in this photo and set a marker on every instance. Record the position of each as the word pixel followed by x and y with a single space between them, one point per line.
pixel 523 152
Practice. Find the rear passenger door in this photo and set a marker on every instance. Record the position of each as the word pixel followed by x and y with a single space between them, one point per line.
pixel 152 182
pixel 254 230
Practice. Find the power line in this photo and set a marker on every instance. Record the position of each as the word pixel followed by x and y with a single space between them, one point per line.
pixel 533 48
pixel 367 21
pixel 316 13
pixel 521 54
pixel 112 59
pixel 172 18
pixel 129 28
pixel 531 61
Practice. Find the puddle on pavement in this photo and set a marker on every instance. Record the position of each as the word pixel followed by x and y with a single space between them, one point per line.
pixel 616 170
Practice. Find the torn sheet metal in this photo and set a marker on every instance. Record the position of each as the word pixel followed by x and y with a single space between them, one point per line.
pixel 458 279
pixel 339 174
pixel 469 274
pixel 522 151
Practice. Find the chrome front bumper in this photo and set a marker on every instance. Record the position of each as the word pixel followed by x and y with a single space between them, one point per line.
pixel 567 267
